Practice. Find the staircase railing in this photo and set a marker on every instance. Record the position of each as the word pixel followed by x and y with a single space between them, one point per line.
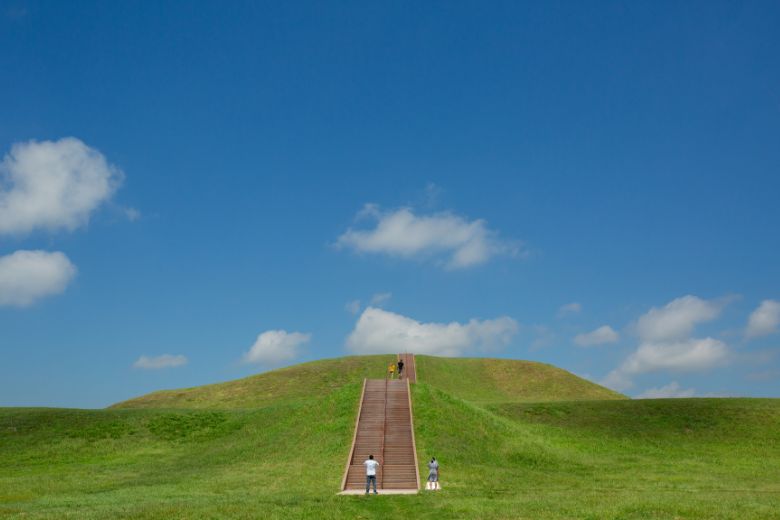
pixel 354 438
pixel 411 424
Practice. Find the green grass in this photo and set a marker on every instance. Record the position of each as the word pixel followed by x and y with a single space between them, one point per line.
pixel 284 457
pixel 484 380
pixel 291 384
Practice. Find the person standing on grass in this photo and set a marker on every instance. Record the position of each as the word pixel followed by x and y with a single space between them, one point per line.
pixel 433 474
pixel 371 466
pixel 400 368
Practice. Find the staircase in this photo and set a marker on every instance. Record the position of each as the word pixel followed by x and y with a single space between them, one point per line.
pixel 385 430
pixel 409 372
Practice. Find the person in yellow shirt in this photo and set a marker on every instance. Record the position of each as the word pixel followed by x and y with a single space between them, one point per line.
pixel 391 370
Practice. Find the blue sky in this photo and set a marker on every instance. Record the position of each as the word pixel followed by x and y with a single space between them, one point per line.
pixel 192 193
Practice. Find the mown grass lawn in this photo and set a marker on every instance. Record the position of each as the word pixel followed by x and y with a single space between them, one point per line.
pixel 687 458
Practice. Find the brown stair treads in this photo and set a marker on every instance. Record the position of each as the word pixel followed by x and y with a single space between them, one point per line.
pixel 384 429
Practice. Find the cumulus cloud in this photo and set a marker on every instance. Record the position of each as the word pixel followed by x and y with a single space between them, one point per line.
pixel 456 242
pixel 378 331
pixel 569 308
pixel 764 320
pixel 276 346
pixel 159 362
pixel 666 343
pixel 677 318
pixel 600 336
pixel 687 355
pixel 682 356
pixel 667 391
pixel 53 185
pixel 27 276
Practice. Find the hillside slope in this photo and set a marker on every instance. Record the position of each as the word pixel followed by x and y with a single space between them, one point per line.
pixel 478 380
pixel 485 380
pixel 283 457
pixel 288 384
pixel 665 459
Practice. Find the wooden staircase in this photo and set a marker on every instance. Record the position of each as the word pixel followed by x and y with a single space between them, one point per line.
pixel 385 430
pixel 409 372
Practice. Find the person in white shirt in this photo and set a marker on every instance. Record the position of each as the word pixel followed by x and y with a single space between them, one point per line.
pixel 371 466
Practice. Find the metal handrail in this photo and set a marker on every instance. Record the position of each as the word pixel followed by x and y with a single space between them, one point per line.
pixel 414 443
pixel 354 436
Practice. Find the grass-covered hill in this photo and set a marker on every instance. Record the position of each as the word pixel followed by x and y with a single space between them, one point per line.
pixel 479 380
pixel 262 447
pixel 286 385
pixel 484 380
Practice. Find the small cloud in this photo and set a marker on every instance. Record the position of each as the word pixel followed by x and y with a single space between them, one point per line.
pixel 159 362
pixel 689 355
pixel 666 344
pixel 132 214
pixel 677 319
pixel 53 185
pixel 378 331
pixel 569 308
pixel 668 391
pixel 601 336
pixel 453 241
pixel 380 298
pixel 352 307
pixel 27 276
pixel 276 346
pixel 764 320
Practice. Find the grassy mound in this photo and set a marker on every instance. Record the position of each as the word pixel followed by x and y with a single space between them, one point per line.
pixel 284 457
pixel 478 380
pixel 290 384
pixel 482 380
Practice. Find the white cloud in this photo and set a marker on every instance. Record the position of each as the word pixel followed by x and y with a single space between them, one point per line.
pixel 158 362
pixel 461 242
pixel 379 331
pixel 764 320
pixel 276 346
pixel 600 336
pixel 664 392
pixel 569 308
pixel 677 319
pixel 352 307
pixel 688 355
pixel 666 342
pixel 27 276
pixel 380 298
pixel 53 185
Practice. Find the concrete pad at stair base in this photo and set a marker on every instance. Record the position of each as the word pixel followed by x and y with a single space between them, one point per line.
pixel 381 492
